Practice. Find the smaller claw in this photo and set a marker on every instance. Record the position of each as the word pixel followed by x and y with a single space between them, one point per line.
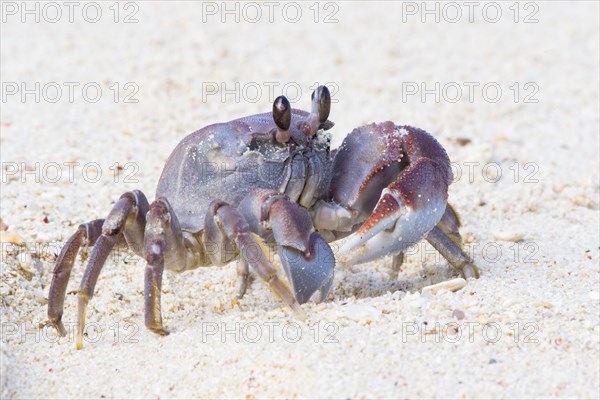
pixel 310 272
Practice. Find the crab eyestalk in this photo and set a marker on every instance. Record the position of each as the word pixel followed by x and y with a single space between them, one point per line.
pixel 282 116
pixel 321 105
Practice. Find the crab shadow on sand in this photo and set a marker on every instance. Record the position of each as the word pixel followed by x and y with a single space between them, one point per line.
pixel 362 282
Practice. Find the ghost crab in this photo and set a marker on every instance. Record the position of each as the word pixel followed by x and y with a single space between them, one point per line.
pixel 229 188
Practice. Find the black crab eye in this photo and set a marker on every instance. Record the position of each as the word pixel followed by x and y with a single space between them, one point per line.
pixel 321 99
pixel 282 113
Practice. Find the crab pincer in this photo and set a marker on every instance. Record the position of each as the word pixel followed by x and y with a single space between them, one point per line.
pixel 415 170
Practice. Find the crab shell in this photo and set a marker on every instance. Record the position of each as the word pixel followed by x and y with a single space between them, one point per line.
pixel 229 160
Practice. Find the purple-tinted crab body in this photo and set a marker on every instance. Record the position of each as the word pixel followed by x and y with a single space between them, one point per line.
pixel 230 188
pixel 229 160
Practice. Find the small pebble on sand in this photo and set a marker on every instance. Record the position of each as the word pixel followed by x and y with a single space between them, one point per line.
pixel 458 314
pixel 452 285
pixel 508 236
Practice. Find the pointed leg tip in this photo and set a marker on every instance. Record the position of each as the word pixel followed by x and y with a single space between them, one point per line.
pixel 394 275
pixel 159 331
pixel 79 336
pixel 299 313
pixel 81 312
pixel 79 341
pixel 243 287
pixel 56 324
pixel 241 291
pixel 61 329
pixel 470 270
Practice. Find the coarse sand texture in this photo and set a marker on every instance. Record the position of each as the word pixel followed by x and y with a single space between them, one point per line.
pixel 93 104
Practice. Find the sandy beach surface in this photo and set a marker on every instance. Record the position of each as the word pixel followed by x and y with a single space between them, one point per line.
pixel 510 90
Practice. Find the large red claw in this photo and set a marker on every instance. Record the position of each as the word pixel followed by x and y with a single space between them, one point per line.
pixel 415 172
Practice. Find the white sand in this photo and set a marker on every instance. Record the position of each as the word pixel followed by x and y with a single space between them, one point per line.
pixel 541 294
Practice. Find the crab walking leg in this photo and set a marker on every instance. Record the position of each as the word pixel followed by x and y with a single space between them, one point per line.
pixel 450 225
pixel 126 211
pixel 223 222
pixel 251 250
pixel 152 289
pixel 306 257
pixel 243 276
pixel 163 244
pixel 100 252
pixel 451 252
pixel 397 262
pixel 155 245
pixel 86 235
pixel 135 225
pixel 449 229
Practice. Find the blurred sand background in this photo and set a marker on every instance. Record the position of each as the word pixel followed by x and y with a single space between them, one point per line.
pixel 531 323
